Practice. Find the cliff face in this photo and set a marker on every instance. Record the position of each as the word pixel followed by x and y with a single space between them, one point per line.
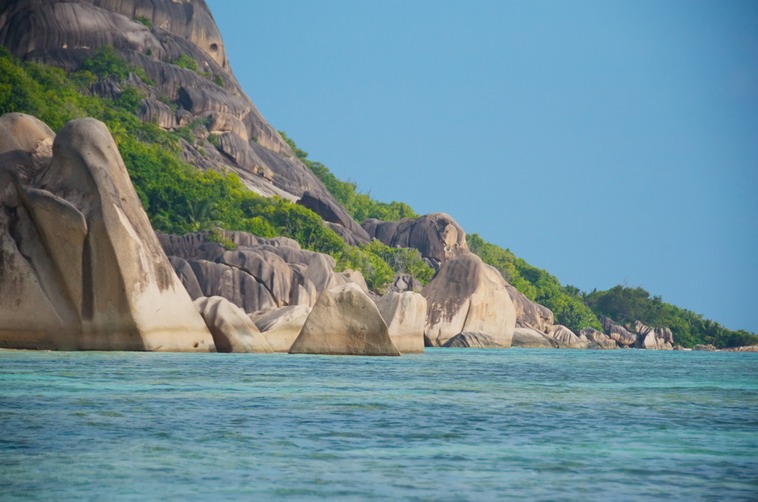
pixel 187 80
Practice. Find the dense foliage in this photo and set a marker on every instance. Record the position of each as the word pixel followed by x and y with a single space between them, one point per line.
pixel 626 305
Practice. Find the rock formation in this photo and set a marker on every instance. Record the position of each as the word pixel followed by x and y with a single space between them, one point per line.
pixel 597 339
pixel 530 314
pixel 232 329
pixel 473 340
pixel 437 236
pixel 282 326
pixel 344 321
pixel 468 296
pixel 528 338
pixel 405 315
pixel 156 35
pixel 259 275
pixel 622 336
pixel 653 338
pixel 566 338
pixel 81 266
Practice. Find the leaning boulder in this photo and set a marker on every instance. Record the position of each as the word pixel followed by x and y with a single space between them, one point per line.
pixel 232 329
pixel 405 315
pixel 530 314
pixel 344 321
pixel 653 338
pixel 85 261
pixel 622 336
pixel 282 326
pixel 528 338
pixel 468 296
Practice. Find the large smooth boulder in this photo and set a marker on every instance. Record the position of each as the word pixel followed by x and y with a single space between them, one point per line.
pixel 467 295
pixel 232 329
pixel 344 321
pixel 332 212
pixel 282 326
pixel 528 338
pixel 437 236
pixel 405 315
pixel 566 338
pixel 85 268
pixel 598 339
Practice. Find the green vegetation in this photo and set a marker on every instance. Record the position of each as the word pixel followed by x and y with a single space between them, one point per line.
pixel 177 197
pixel 359 205
pixel 537 285
pixel 626 305
pixel 142 19
pixel 184 61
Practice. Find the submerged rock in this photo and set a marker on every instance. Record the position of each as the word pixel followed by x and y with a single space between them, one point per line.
pixel 82 268
pixel 468 296
pixel 344 321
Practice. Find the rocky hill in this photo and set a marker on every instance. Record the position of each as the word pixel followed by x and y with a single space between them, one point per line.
pixel 264 240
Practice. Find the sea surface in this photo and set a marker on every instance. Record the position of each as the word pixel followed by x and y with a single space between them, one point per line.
pixel 451 424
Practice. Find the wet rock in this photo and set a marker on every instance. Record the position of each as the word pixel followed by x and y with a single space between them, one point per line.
pixel 473 340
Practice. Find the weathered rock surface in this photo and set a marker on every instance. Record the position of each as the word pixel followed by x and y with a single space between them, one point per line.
pixel 405 315
pixel 745 348
pixel 468 296
pixel 437 236
pixel 81 267
pixel 232 329
pixel 332 212
pixel 282 326
pixel 653 338
pixel 566 338
pixel 530 314
pixel 704 348
pixel 598 339
pixel 259 275
pixel 622 336
pixel 473 340
pixel 528 338
pixel 153 35
pixel 344 321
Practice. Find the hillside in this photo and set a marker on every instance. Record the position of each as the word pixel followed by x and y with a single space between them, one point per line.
pixel 202 158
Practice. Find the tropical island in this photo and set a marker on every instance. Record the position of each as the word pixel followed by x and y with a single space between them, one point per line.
pixel 145 204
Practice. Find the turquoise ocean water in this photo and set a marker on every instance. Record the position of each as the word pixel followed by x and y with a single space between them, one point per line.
pixel 452 424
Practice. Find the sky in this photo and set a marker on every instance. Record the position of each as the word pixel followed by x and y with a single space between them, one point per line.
pixel 608 142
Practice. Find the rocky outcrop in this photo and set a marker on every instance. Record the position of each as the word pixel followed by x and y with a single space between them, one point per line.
pixel 528 338
pixel 473 340
pixel 81 267
pixel 282 326
pixel 405 315
pixel 232 329
pixel 622 336
pixel 653 338
pixel 468 296
pixel 331 212
pixel 153 35
pixel 704 348
pixel 530 314
pixel 258 275
pixel 436 236
pixel 598 339
pixel 566 338
pixel 745 348
pixel 344 321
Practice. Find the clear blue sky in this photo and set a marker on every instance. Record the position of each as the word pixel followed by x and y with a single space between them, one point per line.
pixel 608 142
